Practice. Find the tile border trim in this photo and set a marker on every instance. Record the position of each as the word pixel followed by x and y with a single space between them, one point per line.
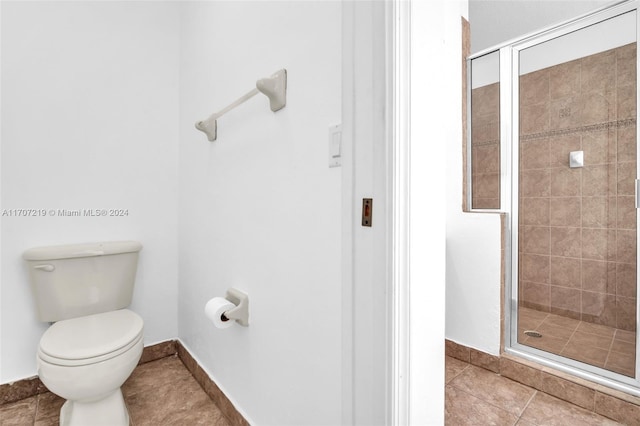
pixel 591 396
pixel 32 386
pixel 598 127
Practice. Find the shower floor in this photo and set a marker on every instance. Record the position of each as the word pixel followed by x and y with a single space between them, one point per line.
pixel 598 345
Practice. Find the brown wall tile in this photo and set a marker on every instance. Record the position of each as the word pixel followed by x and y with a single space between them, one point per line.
pixel 565 241
pixel 457 351
pixel 534 118
pixel 535 239
pixel 565 211
pixel 626 101
pixel 157 351
pixel 534 211
pixel 564 80
pixel 534 154
pixel 568 391
pixel 626 212
pixel 565 182
pixel 598 276
pixel 626 280
pixel 626 64
pixel 565 271
pixel 598 72
pixel 484 360
pixel 617 409
pixel 626 144
pixel 521 373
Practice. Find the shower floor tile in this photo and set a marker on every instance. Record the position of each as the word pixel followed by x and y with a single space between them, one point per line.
pixel 474 396
pixel 161 392
pixel 598 345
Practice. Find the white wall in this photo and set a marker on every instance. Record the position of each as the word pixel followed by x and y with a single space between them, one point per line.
pixel 89 110
pixel 436 134
pixel 472 260
pixel 260 209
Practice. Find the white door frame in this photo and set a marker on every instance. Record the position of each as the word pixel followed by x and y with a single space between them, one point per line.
pixel 375 165
pixel 367 172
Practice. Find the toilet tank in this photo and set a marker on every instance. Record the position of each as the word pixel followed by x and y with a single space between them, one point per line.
pixel 75 280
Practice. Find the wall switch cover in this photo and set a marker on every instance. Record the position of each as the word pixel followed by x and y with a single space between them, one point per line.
pixel 335 145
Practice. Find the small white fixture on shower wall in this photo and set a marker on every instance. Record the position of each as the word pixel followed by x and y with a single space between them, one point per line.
pixel 576 159
pixel 274 87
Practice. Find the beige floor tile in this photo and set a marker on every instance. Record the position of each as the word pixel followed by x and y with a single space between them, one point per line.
pixel 48 412
pixel 182 403
pixel 555 331
pixel 494 389
pixel 161 392
pixel 622 346
pixel 602 330
pixel 623 363
pixel 453 367
pixel 147 377
pixel 547 343
pixel 586 340
pixel 549 411
pixel 627 336
pixel 463 409
pixel 19 413
pixel 589 355
pixel 561 321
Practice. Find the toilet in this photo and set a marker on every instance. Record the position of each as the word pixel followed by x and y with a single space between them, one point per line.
pixel 94 342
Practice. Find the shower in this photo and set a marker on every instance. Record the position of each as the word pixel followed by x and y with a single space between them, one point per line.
pixel 553 146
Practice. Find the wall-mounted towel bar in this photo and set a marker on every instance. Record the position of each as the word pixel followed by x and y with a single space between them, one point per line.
pixel 274 87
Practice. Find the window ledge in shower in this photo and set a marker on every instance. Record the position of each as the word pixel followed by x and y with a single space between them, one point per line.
pixel 595 397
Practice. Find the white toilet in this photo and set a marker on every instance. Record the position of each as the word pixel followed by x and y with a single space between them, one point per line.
pixel 95 343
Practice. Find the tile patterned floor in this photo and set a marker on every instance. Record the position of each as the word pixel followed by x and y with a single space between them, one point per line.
pixel 594 344
pixel 161 392
pixel 475 396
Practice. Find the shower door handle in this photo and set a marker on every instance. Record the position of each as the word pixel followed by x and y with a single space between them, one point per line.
pixel 637 192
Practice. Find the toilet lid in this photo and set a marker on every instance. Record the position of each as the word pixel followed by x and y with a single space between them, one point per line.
pixel 91 336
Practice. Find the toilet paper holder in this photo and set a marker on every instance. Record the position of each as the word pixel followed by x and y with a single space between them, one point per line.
pixel 241 312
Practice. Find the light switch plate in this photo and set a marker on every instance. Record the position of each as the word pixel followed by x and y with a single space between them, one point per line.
pixel 335 145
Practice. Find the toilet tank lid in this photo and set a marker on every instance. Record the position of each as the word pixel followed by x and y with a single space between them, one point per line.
pixel 70 251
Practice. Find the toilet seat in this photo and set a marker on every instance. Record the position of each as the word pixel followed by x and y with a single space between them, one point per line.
pixel 90 339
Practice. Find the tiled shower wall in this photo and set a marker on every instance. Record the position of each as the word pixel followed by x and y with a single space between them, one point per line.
pixel 485 147
pixel 577 226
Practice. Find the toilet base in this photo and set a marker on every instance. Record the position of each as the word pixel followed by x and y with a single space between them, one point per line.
pixel 108 411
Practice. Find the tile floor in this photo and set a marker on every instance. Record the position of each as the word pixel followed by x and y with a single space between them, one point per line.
pixel 475 396
pixel 161 392
pixel 594 344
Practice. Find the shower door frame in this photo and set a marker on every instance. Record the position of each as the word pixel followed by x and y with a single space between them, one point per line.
pixel 509 134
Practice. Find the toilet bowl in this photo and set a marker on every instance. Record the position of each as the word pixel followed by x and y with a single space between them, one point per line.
pixel 86 360
pixel 95 342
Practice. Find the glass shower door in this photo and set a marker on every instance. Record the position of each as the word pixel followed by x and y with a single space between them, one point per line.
pixel 575 219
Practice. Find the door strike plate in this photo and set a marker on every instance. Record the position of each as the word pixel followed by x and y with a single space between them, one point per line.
pixel 367 211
